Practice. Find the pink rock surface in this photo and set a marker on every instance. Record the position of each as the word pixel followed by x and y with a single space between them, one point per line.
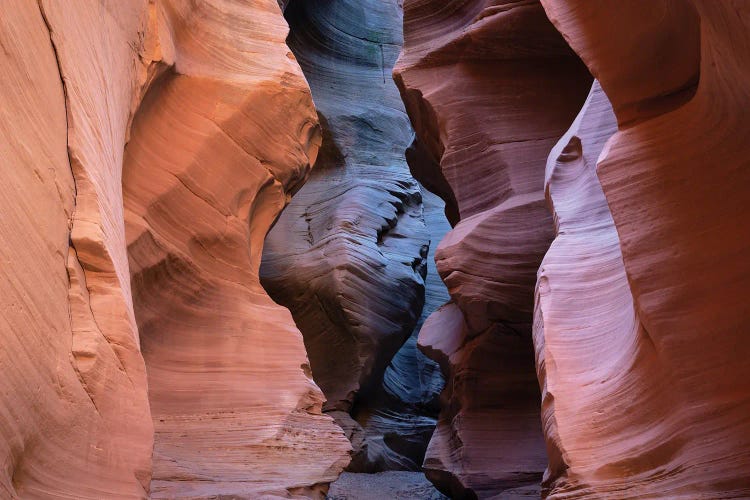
pixel 488 410
pixel 489 87
pixel 646 379
pixel 75 414
pixel 589 341
pixel 220 131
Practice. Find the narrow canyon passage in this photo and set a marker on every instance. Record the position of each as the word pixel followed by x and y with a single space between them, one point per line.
pixel 350 253
pixel 347 256
pixel 374 249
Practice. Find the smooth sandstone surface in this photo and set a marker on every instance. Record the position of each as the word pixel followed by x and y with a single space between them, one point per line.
pixel 218 146
pixel 154 107
pixel 674 177
pixel 590 343
pixel 490 87
pixel 148 147
pixel 488 411
pixel 74 406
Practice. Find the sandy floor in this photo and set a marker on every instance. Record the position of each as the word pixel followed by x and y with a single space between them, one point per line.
pixel 384 485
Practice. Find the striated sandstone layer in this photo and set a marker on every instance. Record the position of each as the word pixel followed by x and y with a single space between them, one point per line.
pixel 74 410
pixel 587 333
pixel 489 86
pixel 641 308
pixel 218 146
pixel 347 256
pixel 208 166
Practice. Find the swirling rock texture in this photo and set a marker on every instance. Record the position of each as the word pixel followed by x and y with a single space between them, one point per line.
pixel 584 304
pixel 75 417
pixel 650 290
pixel 348 256
pixel 235 410
pixel 489 87
pixel 148 147
pixel 206 170
pixel 399 417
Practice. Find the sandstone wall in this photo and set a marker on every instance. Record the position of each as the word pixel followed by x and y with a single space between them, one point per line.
pixel 75 414
pixel 640 323
pixel 490 87
pixel 161 108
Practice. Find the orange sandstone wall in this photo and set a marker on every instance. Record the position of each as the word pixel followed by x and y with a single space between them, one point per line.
pixel 75 417
pixel 135 146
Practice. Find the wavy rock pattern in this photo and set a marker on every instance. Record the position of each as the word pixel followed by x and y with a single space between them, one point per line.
pixel 400 416
pixel 148 147
pixel 489 87
pixel 675 180
pixel 235 410
pixel 585 312
pixel 75 415
pixel 202 178
pixel 347 256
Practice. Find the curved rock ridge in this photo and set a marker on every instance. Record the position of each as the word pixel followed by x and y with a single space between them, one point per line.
pixel 674 177
pixel 670 28
pixel 399 417
pixel 219 144
pixel 489 87
pixel 348 255
pixel 205 172
pixel 591 347
pixel 75 415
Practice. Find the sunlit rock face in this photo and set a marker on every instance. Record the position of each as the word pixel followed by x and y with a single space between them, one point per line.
pixel 640 322
pixel 587 331
pixel 348 255
pixel 490 87
pixel 74 414
pixel 218 146
pixel 159 140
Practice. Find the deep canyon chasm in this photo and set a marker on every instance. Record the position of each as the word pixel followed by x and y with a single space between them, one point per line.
pixel 367 249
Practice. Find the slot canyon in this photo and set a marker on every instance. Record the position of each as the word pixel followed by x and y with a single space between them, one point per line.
pixel 374 249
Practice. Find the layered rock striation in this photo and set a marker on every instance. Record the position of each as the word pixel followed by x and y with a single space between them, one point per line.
pixel 74 419
pixel 217 148
pixel 489 86
pixel 348 255
pixel 75 414
pixel 584 309
pixel 150 139
pixel 639 322
pixel 399 417
pixel 149 146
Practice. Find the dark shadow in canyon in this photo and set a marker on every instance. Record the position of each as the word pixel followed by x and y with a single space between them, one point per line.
pixel 352 256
